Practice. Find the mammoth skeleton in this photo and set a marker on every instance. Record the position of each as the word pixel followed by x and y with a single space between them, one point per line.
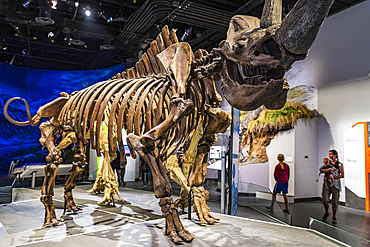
pixel 169 101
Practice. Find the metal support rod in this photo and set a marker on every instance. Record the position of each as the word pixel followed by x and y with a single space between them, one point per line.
pixel 65 205
pixel 230 163
pixel 33 180
pixel 114 203
pixel 189 206
pixel 223 174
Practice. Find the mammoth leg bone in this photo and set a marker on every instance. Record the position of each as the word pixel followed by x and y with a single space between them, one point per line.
pixel 79 163
pixel 48 130
pixel 162 190
pixel 47 193
pixel 179 108
pixel 217 122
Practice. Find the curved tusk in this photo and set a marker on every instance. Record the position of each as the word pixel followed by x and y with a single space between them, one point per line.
pixel 300 27
pixel 29 122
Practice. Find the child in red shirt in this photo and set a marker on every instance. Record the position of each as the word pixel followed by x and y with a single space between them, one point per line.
pixel 281 175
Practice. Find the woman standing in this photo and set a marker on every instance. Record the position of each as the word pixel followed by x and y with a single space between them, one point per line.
pixel 281 175
pixel 338 173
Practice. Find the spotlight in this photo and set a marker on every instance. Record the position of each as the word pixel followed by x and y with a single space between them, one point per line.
pixel 118 19
pixel 27 4
pixel 54 4
pixel 104 16
pixel 77 4
pixel 87 11
pixel 50 35
pixel 2 46
pixel 186 33
pixel 16 29
pixel 24 51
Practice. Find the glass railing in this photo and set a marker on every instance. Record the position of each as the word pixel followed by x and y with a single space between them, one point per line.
pixel 338 234
pixel 251 195
pixel 260 199
pixel 6 194
pixel 138 180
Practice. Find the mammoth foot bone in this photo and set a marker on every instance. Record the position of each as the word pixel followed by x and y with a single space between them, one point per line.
pixel 110 189
pixel 70 204
pixel 50 217
pixel 174 227
pixel 200 196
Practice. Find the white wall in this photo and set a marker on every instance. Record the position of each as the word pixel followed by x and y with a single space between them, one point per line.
pixel 341 51
pixel 283 143
pixel 338 62
pixel 307 169
pixel 255 174
pixel 343 105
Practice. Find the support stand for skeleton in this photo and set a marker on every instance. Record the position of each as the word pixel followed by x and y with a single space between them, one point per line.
pixel 189 206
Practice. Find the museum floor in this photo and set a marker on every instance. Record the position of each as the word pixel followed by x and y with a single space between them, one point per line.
pixel 137 222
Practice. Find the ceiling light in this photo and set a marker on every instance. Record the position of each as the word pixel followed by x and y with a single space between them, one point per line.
pixel 118 19
pixel 87 11
pixel 27 4
pixel 107 47
pixel 54 4
pixel 104 16
pixel 50 34
pixel 2 46
pixel 186 33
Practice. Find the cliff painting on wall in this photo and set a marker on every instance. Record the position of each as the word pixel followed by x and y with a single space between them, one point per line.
pixel 259 127
pixel 22 143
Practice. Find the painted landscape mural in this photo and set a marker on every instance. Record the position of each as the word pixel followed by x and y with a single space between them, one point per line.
pixel 38 87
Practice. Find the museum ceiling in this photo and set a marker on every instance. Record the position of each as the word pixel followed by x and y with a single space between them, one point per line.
pixel 58 34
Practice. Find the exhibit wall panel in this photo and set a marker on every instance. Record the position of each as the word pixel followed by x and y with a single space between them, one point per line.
pixel 342 105
pixel 283 143
pixel 354 159
pixel 305 157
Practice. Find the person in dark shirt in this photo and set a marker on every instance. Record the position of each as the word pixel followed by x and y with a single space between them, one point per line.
pixel 281 175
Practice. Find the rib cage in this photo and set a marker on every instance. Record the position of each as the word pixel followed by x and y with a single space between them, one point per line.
pixel 137 100
pixel 137 105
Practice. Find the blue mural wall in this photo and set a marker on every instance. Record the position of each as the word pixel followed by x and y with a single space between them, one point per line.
pixel 38 87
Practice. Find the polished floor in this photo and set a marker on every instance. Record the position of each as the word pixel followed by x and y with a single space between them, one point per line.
pixel 136 222
pixel 350 220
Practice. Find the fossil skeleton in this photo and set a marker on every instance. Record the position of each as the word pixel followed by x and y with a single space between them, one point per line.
pixel 169 101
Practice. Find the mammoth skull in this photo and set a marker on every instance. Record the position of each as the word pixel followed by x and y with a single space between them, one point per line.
pixel 257 53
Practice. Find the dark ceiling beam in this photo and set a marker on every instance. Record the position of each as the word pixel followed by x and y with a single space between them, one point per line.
pixel 46 46
pixel 45 58
pixel 249 6
pixel 140 22
pixel 224 2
